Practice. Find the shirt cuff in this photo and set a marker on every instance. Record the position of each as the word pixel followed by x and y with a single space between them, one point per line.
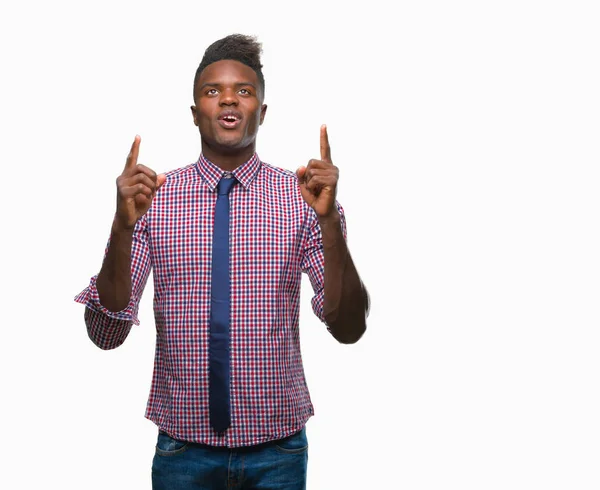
pixel 317 305
pixel 89 297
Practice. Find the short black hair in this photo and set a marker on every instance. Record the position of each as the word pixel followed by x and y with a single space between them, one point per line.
pixel 238 47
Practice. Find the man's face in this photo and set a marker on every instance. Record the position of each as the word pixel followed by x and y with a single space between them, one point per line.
pixel 229 107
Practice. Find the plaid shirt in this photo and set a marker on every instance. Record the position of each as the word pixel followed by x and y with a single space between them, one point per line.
pixel 274 237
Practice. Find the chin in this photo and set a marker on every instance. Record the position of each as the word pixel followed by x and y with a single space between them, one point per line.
pixel 230 144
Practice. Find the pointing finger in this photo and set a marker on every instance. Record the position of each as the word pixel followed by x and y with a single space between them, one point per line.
pixel 133 153
pixel 325 148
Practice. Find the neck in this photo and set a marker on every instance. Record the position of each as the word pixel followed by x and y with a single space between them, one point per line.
pixel 227 160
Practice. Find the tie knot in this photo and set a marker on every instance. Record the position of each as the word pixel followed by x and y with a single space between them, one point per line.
pixel 225 185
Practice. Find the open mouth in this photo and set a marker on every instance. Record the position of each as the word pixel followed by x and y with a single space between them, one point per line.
pixel 229 119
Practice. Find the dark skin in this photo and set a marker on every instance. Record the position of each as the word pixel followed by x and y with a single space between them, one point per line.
pixel 346 302
pixel 228 111
pixel 136 188
pixel 224 87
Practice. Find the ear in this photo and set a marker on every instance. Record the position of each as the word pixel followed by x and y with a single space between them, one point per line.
pixel 195 114
pixel 263 111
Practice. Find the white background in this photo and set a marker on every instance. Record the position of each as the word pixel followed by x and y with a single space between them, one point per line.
pixel 466 134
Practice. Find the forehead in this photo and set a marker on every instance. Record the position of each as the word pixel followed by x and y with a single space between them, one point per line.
pixel 228 72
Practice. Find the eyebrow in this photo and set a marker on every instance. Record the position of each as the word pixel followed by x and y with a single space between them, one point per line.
pixel 241 84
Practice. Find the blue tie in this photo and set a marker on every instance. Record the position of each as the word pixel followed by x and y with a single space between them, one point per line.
pixel 220 306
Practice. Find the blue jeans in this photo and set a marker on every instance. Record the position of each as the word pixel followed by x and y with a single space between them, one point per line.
pixel 276 465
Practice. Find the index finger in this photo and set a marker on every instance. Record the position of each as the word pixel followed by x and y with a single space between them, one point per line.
pixel 133 153
pixel 325 148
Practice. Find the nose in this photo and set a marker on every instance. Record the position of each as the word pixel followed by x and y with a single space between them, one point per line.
pixel 228 97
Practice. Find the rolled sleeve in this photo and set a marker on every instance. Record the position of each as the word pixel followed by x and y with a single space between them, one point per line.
pixel 108 329
pixel 313 260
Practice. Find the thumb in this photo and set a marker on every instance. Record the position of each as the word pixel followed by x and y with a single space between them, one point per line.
pixel 300 173
pixel 160 180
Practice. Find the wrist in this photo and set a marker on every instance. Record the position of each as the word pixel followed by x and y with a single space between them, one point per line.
pixel 330 220
pixel 120 228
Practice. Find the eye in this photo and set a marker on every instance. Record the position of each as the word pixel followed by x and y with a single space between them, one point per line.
pixel 211 91
pixel 245 91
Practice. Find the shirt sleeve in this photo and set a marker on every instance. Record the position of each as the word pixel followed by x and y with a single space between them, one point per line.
pixel 313 260
pixel 109 329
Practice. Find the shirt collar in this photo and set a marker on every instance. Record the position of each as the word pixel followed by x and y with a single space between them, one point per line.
pixel 244 174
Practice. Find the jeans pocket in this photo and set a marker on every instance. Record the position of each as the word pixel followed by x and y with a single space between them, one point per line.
pixel 295 444
pixel 168 446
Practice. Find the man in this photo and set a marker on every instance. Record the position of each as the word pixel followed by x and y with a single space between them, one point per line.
pixel 228 238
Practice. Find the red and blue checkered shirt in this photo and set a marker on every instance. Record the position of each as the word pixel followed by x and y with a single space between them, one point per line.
pixel 274 237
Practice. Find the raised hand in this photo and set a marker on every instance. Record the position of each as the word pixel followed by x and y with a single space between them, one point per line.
pixel 318 180
pixel 136 188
